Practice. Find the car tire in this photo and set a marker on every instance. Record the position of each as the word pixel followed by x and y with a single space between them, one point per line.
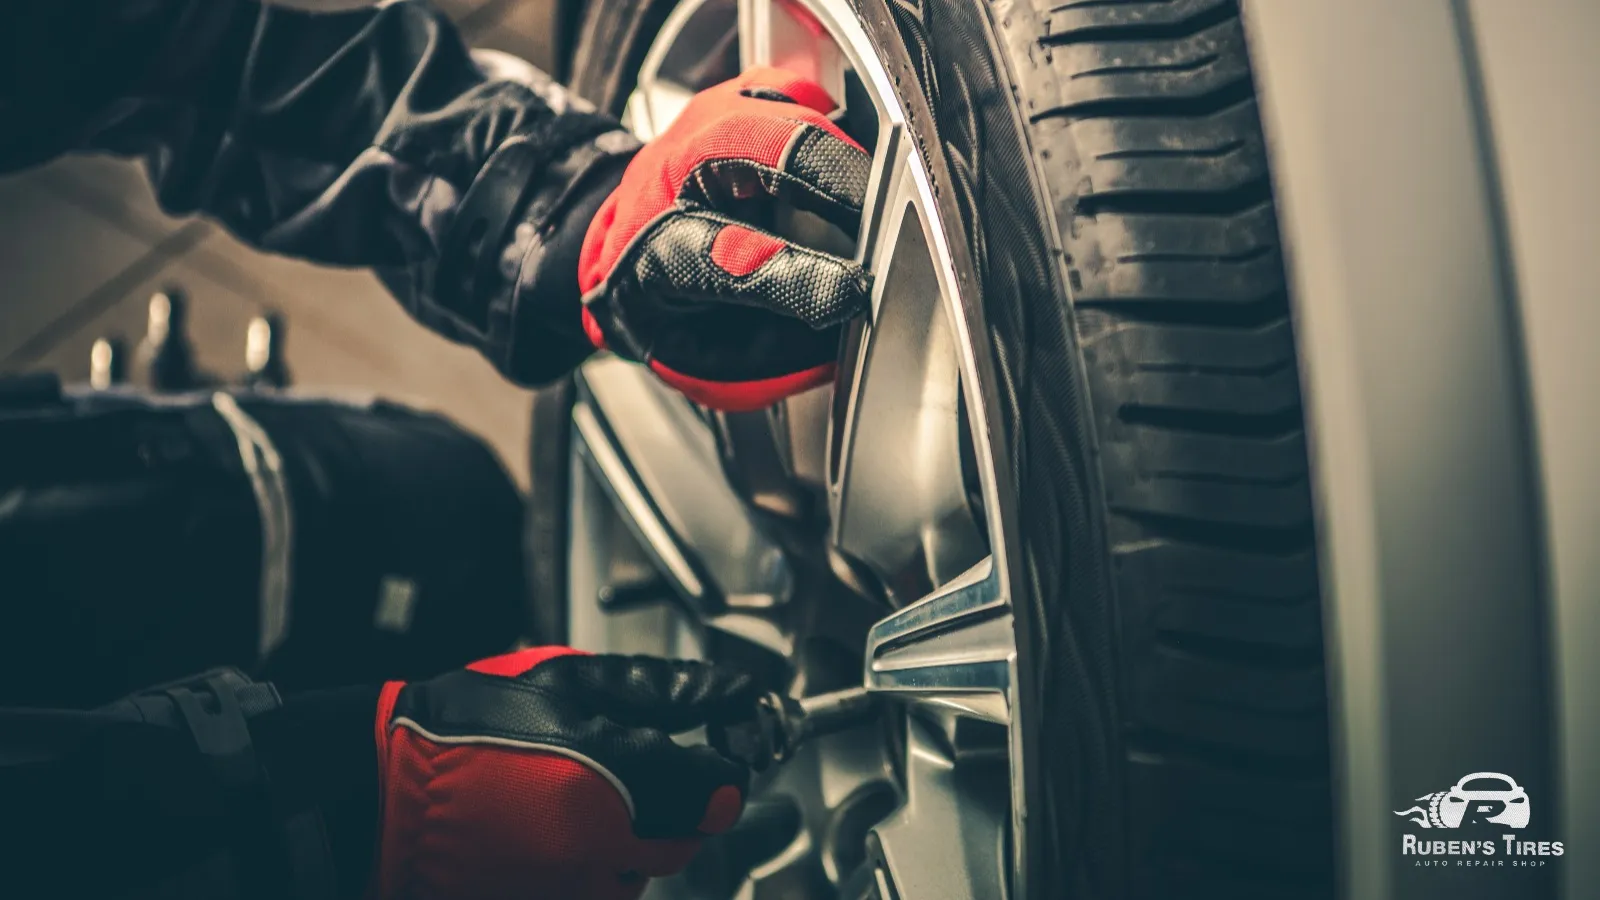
pixel 1100 166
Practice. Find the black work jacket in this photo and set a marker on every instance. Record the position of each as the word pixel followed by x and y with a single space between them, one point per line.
pixel 368 138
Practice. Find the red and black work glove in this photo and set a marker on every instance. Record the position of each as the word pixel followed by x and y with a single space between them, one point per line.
pixel 677 271
pixel 549 773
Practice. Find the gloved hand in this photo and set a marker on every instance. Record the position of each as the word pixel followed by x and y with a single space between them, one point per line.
pixel 676 271
pixel 548 773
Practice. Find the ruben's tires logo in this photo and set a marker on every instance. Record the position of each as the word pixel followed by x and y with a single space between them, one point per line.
pixel 1479 802
pixel 1482 798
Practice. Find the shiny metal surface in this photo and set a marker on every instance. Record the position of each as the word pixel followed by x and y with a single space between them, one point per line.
pixel 830 780
pixel 660 461
pixel 947 841
pixel 898 497
pixel 104 362
pixel 258 340
pixel 605 551
pixel 702 34
pixel 955 648
pixel 598 448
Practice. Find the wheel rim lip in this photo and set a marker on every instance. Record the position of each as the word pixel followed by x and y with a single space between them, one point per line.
pixel 967 320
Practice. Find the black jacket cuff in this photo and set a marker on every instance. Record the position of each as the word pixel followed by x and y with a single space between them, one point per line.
pixel 547 337
pixel 318 749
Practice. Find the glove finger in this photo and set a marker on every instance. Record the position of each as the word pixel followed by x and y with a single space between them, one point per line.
pixel 675 792
pixel 671 695
pixel 819 169
pixel 724 786
pixel 744 359
pixel 701 256
pixel 833 171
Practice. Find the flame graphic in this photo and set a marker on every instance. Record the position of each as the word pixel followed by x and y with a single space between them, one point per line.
pixel 1421 817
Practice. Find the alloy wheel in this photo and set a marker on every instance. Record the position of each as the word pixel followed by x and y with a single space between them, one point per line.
pixel 856 531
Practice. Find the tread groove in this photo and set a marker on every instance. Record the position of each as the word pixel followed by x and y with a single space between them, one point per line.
pixel 1257 655
pixel 1141 31
pixel 1152 745
pixel 1195 65
pixel 1254 195
pixel 1157 153
pixel 1196 369
pixel 1250 314
pixel 1212 595
pixel 1241 480
pixel 1257 426
pixel 1246 256
pixel 1210 103
pixel 1261 540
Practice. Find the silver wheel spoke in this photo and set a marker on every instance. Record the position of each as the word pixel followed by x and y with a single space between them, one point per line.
pixel 898 497
pixel 954 647
pixel 704 52
pixel 793 872
pixel 653 107
pixel 948 839
pixel 654 458
pixel 901 504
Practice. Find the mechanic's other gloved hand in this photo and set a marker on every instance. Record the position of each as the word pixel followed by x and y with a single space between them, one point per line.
pixel 549 773
pixel 677 272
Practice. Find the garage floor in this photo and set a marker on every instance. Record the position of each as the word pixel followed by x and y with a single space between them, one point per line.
pixel 83 246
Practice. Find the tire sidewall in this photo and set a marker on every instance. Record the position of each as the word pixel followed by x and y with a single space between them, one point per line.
pixel 1032 485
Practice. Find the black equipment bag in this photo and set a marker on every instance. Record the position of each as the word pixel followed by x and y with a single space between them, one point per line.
pixel 314 542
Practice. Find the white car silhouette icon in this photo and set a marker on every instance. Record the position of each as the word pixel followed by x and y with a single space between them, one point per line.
pixel 1488 787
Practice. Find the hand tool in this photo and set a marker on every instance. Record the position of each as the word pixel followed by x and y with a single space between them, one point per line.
pixel 782 723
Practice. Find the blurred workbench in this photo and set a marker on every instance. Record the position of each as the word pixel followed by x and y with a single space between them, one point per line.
pixel 83 246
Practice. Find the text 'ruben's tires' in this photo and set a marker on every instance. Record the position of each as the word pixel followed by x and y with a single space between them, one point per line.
pixel 1103 171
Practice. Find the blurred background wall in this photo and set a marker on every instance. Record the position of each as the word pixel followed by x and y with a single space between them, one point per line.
pixel 83 246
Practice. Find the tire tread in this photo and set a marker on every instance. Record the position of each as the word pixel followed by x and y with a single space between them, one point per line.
pixel 1144 124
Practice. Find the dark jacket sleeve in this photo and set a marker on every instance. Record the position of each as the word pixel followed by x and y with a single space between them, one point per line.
pixel 128 801
pixel 368 138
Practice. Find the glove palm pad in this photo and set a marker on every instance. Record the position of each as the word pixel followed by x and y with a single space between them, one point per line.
pixel 676 274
